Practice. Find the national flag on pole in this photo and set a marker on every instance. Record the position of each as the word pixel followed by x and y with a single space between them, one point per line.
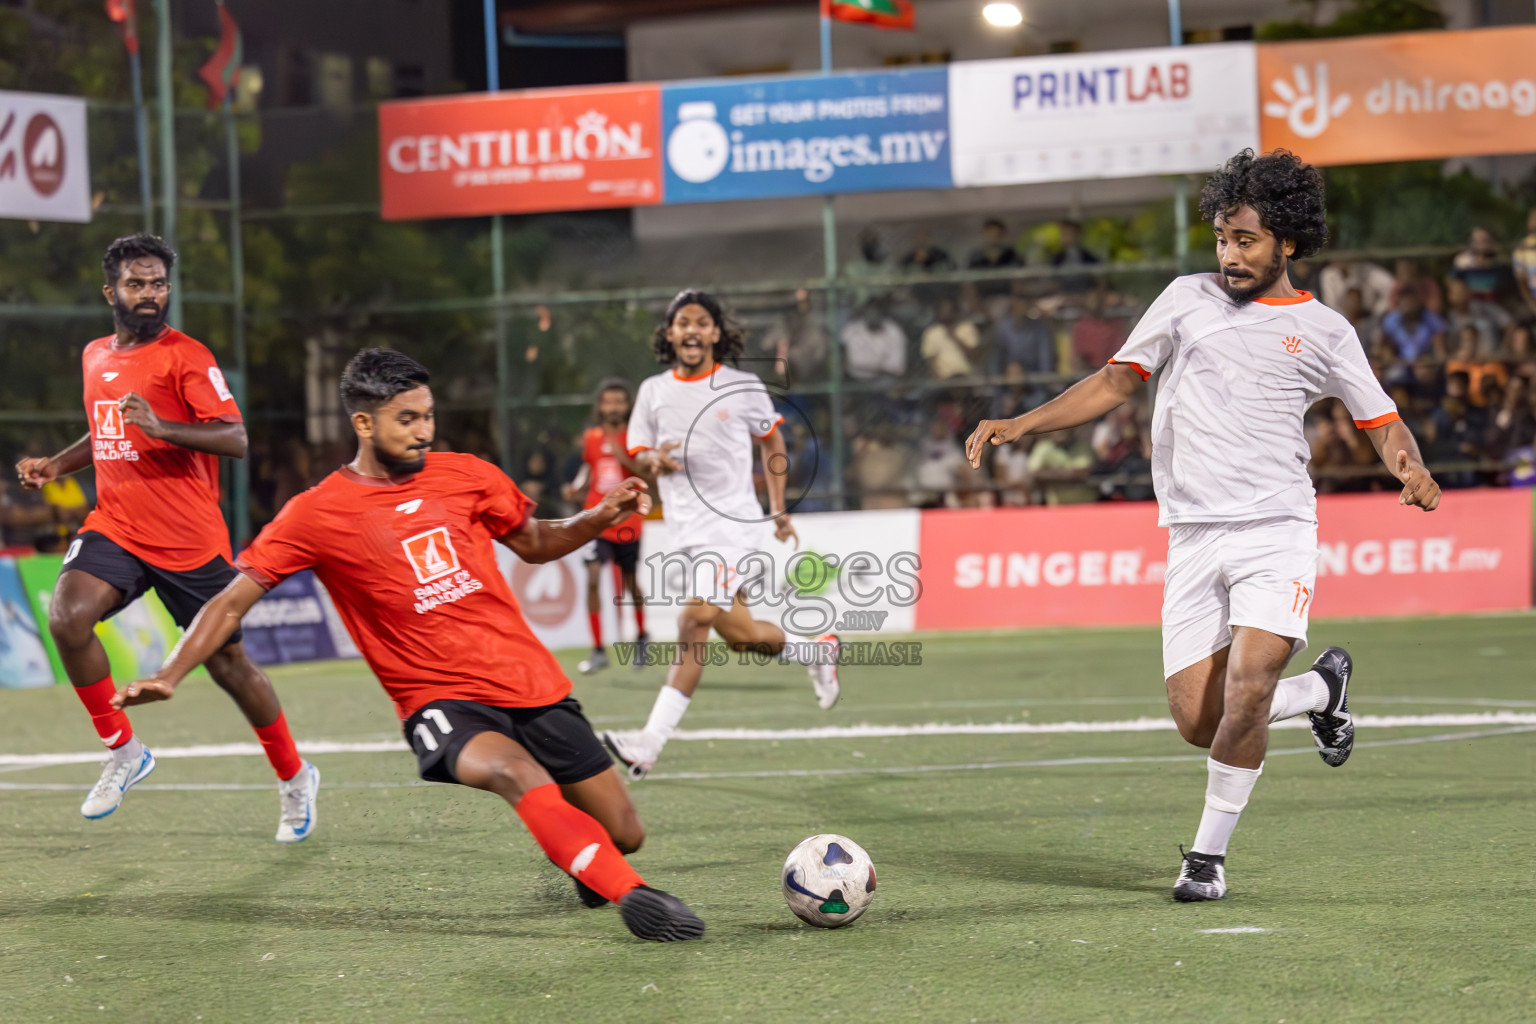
pixel 122 12
pixel 879 13
pixel 223 69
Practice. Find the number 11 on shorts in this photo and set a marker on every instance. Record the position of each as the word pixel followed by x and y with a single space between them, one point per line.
pixel 1303 597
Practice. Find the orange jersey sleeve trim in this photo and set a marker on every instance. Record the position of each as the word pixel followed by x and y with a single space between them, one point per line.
pixel 1135 366
pixel 640 448
pixel 1379 421
pixel 1299 297
pixel 771 429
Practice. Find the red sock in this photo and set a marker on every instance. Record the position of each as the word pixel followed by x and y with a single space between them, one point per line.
pixel 596 618
pixel 277 744
pixel 639 617
pixel 575 842
pixel 111 724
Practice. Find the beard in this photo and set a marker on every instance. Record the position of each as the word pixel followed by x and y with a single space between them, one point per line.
pixel 142 324
pixel 1247 287
pixel 402 467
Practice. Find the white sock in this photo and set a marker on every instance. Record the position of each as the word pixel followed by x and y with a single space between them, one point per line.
pixel 1298 695
pixel 671 704
pixel 130 751
pixel 1226 794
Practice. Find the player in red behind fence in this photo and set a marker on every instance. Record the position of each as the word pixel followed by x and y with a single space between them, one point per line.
pixel 402 540
pixel 161 416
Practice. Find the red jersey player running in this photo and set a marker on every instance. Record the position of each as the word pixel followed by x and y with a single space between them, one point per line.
pixel 605 463
pixel 1243 354
pixel 484 703
pixel 161 415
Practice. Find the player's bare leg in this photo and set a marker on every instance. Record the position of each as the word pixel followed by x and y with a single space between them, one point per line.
pixel 574 840
pixel 298 781
pixel 639 751
pixel 81 600
pixel 744 633
pixel 598 659
pixel 1233 690
pixel 629 584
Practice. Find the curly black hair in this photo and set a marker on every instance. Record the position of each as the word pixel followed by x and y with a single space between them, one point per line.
pixel 733 339
pixel 135 247
pixel 1286 193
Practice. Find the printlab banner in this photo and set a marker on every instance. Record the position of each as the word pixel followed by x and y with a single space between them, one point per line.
pixel 1103 565
pixel 807 135
pixel 1173 110
pixel 524 152
pixel 45 170
pixel 1408 96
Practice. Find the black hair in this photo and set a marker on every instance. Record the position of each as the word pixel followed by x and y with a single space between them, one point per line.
pixel 611 384
pixel 1286 193
pixel 135 247
pixel 993 222
pixel 376 375
pixel 732 341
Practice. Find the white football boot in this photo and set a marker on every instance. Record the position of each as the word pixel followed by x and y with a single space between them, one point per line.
pixel 118 776
pixel 296 797
pixel 824 676
pixel 638 751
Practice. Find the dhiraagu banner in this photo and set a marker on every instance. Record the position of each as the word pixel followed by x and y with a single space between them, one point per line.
pixel 137 638
pixel 806 135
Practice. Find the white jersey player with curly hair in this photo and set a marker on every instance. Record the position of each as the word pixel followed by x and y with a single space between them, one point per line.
pixel 1242 354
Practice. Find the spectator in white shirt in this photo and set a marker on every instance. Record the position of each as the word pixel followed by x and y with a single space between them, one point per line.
pixel 874 346
pixel 1376 284
pixel 950 344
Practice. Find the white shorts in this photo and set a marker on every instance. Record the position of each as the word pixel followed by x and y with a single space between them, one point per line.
pixel 1221 575
pixel 711 572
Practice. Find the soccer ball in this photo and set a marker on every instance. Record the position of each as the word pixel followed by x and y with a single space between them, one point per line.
pixel 828 881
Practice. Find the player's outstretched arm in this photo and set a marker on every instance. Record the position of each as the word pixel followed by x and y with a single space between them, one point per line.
pixel 544 540
pixel 1086 400
pixel 1395 444
pixel 207 634
pixel 776 474
pixel 34 473
pixel 216 437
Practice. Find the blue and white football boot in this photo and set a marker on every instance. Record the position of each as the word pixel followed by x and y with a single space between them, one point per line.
pixel 118 776
pixel 297 796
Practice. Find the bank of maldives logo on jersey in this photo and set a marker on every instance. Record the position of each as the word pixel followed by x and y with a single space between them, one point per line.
pixel 431 554
pixel 109 420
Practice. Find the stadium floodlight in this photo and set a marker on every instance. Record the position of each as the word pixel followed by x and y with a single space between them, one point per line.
pixel 1003 15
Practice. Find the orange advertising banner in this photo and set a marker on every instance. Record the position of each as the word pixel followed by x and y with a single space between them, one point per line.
pixel 1410 96
pixel 1103 565
pixel 525 152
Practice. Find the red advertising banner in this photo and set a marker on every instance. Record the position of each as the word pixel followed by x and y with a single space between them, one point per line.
pixel 1103 565
pixel 525 152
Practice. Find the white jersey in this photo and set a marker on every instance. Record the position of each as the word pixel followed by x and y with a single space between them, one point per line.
pixel 714 417
pixel 1227 435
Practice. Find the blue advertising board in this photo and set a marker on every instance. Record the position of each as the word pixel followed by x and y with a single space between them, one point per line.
pixel 23 658
pixel 289 624
pixel 806 135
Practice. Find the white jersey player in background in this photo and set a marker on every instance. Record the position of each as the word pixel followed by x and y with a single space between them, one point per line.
pixel 693 427
pixel 1243 355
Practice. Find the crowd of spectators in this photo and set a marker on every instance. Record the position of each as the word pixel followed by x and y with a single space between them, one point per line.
pixel 925 353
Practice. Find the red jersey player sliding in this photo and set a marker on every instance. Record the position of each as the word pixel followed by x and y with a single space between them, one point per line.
pixel 160 417
pixel 402 540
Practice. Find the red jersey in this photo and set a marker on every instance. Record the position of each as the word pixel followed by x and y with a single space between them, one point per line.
pixel 413 573
pixel 607 472
pixel 156 499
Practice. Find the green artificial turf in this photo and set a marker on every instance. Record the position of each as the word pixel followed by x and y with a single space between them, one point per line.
pixel 1397 888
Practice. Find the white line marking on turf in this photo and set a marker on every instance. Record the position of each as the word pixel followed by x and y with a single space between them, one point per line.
pixel 915 769
pixel 1234 931
pixel 829 732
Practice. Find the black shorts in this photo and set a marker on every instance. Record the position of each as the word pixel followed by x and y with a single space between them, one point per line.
pixel 183 593
pixel 626 555
pixel 557 735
